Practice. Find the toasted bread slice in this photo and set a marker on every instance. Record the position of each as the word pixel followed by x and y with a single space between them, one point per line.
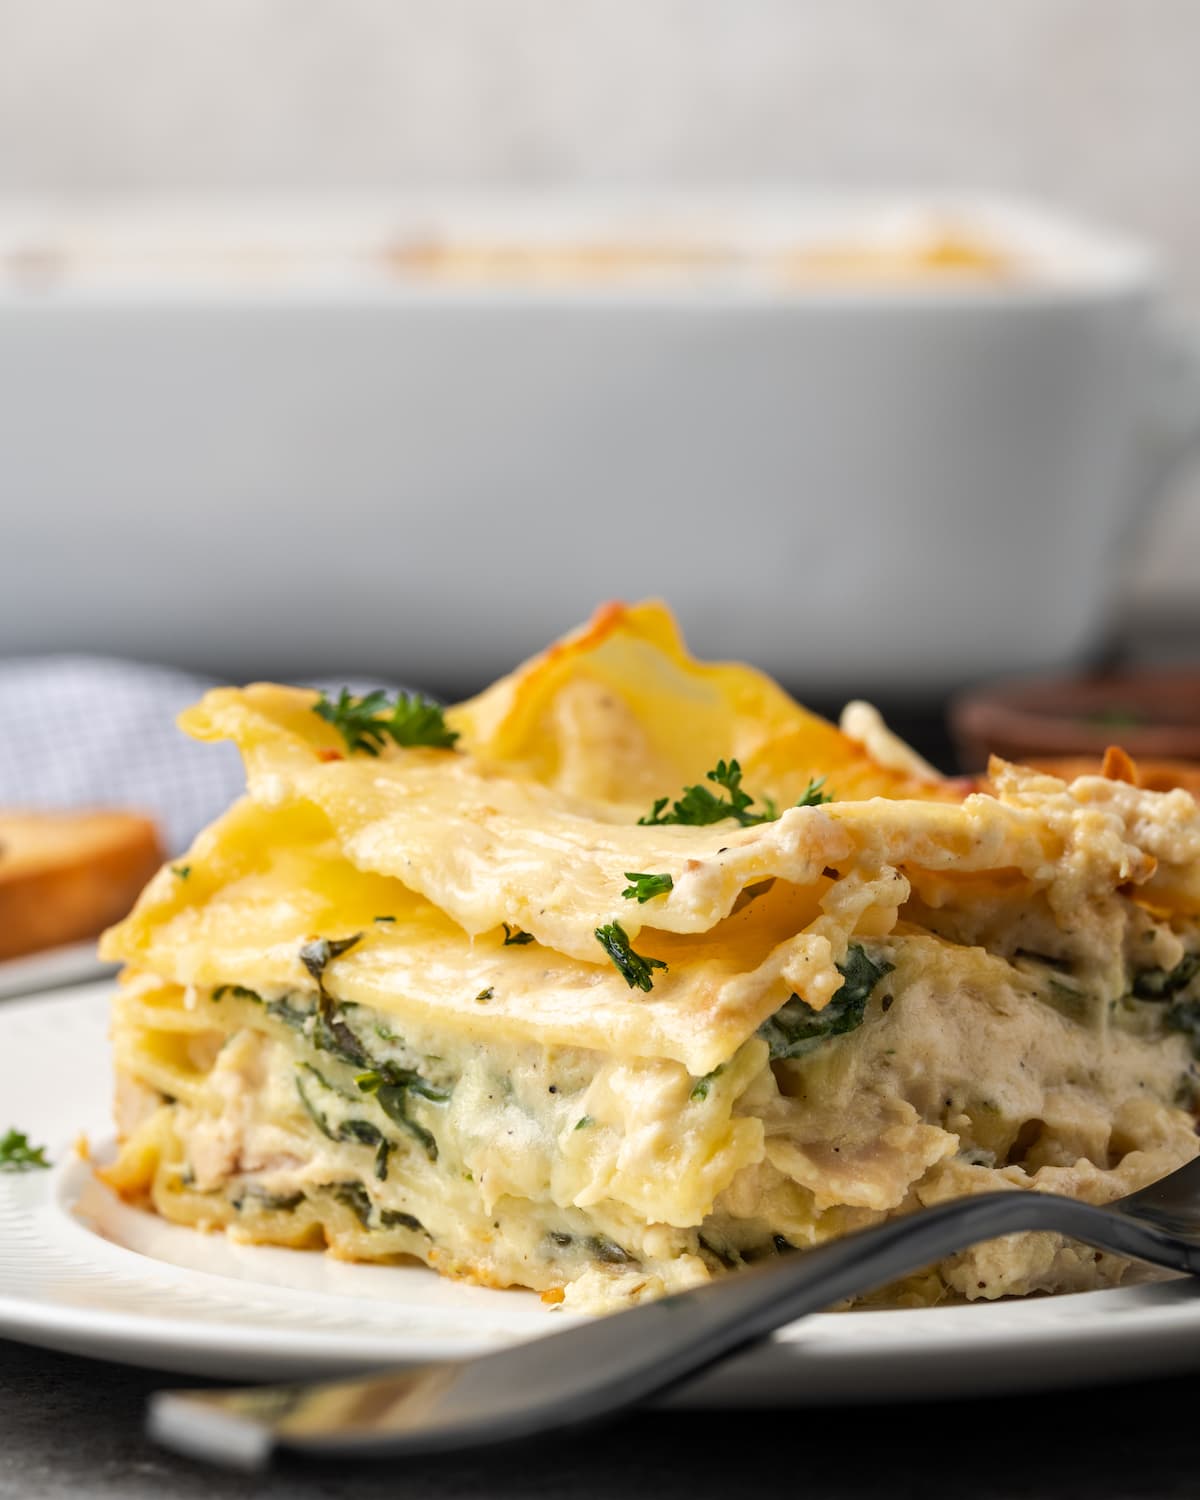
pixel 64 876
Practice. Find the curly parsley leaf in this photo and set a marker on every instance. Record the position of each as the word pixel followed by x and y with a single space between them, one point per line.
pixel 796 1028
pixel 646 887
pixel 514 937
pixel 635 969
pixel 365 723
pixel 17 1154
pixel 698 806
pixel 813 795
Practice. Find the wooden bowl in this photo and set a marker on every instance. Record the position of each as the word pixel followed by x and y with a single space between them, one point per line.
pixel 1154 716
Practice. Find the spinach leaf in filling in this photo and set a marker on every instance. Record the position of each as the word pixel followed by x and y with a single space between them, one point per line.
pixel 1164 984
pixel 796 1028
pixel 356 1198
pixel 392 1086
pixel 289 1014
pixel 360 1131
pixel 394 1218
pixel 259 1197
pixel 598 1246
pixel 331 1034
pixel 1166 987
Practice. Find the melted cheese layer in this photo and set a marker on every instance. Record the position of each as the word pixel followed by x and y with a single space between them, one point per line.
pixel 564 1167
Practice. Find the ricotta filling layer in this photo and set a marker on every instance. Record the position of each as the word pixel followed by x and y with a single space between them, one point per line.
pixel 602 1180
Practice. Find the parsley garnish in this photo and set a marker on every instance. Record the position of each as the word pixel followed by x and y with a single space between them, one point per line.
pixel 646 887
pixel 485 995
pixel 796 1027
pixel 18 1155
pixel 383 919
pixel 635 969
pixel 514 937
pixel 583 1122
pixel 813 795
pixel 365 723
pixel 699 807
pixel 183 871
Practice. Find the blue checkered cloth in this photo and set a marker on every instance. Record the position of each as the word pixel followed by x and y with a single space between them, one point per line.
pixel 86 731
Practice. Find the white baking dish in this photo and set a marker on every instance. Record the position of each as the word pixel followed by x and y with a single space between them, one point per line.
pixel 253 443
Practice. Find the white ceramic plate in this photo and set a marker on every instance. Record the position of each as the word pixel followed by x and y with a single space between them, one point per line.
pixel 81 1272
pixel 49 970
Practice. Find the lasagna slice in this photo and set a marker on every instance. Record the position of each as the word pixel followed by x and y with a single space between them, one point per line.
pixel 631 971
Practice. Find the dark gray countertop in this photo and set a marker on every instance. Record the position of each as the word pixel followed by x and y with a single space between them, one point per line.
pixel 72 1427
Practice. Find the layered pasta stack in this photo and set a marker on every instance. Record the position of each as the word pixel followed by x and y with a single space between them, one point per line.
pixel 631 970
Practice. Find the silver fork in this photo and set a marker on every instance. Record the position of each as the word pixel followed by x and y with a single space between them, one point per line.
pixel 595 1369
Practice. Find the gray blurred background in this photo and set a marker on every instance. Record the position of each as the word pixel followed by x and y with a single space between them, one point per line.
pixel 1091 104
